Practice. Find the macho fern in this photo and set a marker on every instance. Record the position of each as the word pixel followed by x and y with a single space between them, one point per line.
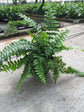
pixel 39 55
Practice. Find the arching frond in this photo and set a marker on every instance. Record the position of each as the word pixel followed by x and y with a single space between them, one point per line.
pixel 39 68
pixel 13 65
pixel 14 49
pixel 26 73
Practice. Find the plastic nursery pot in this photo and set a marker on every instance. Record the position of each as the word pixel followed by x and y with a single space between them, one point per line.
pixel 21 18
pixel 20 28
pixel 29 27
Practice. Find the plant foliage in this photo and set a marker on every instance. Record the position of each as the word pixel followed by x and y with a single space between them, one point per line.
pixel 26 22
pixel 10 29
pixel 66 10
pixel 39 55
pixel 13 26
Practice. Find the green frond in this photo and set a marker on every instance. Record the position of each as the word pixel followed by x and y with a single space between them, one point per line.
pixel 50 23
pixel 53 33
pixel 28 21
pixel 70 70
pixel 39 69
pixel 26 73
pixel 43 38
pixel 14 49
pixel 13 65
pixel 56 74
pixel 53 66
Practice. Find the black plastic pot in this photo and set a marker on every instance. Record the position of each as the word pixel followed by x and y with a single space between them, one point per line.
pixel 15 19
pixel 21 18
pixel 29 27
pixel 24 27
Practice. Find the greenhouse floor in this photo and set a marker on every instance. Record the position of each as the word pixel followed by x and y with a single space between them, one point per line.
pixel 65 96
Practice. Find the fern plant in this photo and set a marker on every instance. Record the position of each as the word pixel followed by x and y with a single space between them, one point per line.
pixel 39 55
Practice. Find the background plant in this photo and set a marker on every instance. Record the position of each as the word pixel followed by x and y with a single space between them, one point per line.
pixel 10 12
pixel 40 54
pixel 17 23
pixel 26 22
pixel 10 29
pixel 66 10
pixel 69 10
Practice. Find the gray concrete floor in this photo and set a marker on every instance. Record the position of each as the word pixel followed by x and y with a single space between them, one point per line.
pixel 66 96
